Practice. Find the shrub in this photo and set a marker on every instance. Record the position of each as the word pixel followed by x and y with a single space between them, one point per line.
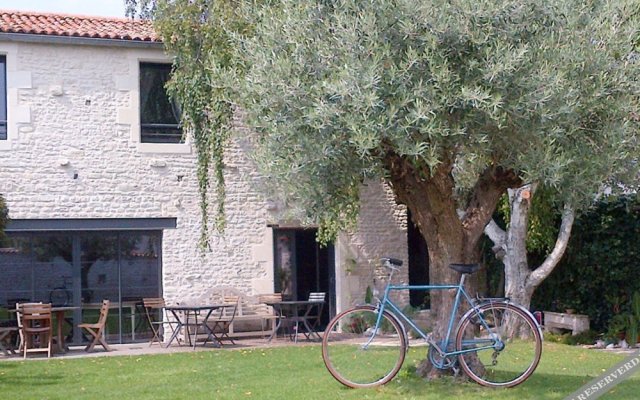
pixel 594 276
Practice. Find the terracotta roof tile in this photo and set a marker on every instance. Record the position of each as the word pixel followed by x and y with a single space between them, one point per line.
pixel 37 23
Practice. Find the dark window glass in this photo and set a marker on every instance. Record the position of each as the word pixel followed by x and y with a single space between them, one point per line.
pixel 159 115
pixel 81 269
pixel 140 258
pixel 3 98
pixel 17 263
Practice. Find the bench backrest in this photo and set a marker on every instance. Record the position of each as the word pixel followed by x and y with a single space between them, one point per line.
pixel 316 296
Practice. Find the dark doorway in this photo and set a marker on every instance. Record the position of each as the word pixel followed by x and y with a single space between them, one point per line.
pixel 302 266
pixel 418 264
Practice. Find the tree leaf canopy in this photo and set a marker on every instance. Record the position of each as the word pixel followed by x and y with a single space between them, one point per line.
pixel 545 88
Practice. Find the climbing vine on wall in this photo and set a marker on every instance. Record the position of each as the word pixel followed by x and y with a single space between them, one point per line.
pixel 203 81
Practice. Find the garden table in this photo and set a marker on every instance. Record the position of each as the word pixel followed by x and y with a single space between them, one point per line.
pixel 290 311
pixel 59 313
pixel 188 316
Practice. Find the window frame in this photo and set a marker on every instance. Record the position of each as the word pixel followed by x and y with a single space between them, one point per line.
pixel 147 130
pixel 4 119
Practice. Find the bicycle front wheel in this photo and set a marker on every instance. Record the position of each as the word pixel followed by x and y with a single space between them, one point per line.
pixel 504 342
pixel 358 356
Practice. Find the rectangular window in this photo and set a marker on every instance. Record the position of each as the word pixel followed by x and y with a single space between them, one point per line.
pixel 3 98
pixel 159 115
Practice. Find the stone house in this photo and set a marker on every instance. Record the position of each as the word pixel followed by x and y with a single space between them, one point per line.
pixel 102 190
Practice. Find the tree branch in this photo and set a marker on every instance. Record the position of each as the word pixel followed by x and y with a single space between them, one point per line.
pixel 490 186
pixel 497 235
pixel 540 273
pixel 499 238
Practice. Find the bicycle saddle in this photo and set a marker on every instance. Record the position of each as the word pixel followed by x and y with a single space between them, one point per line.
pixel 393 261
pixel 465 268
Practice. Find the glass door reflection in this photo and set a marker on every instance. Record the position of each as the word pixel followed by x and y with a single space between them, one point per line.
pixel 100 280
pixel 81 269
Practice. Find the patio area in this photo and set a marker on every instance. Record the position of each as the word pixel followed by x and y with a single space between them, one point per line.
pixel 135 349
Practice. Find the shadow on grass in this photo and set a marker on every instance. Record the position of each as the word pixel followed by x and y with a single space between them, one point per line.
pixel 538 386
pixel 6 366
pixel 10 379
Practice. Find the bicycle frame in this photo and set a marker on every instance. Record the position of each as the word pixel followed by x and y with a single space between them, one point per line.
pixel 460 294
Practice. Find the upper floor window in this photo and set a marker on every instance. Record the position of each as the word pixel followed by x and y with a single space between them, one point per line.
pixel 3 98
pixel 159 115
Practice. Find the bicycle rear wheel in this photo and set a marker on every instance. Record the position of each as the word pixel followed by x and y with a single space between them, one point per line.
pixel 508 345
pixel 60 296
pixel 356 355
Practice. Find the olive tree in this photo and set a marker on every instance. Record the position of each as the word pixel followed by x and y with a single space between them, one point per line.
pixel 451 103
pixel 529 223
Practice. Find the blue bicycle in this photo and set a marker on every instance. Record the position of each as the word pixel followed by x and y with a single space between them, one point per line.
pixel 496 343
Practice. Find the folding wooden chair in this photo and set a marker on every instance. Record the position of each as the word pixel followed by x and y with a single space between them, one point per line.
pixel 270 297
pixel 97 330
pixel 157 317
pixel 19 323
pixel 314 311
pixel 37 329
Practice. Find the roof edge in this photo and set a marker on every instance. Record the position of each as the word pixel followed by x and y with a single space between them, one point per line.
pixel 68 15
pixel 78 40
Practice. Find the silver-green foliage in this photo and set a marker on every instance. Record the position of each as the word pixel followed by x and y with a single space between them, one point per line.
pixel 203 81
pixel 547 88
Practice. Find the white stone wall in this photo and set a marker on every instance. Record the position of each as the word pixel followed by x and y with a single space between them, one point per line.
pixel 74 152
pixel 381 232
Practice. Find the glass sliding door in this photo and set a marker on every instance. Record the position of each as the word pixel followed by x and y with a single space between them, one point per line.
pixel 100 279
pixel 140 277
pixel 36 268
pixel 81 269
pixel 52 267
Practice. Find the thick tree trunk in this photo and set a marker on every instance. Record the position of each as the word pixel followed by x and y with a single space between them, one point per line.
pixel 450 238
pixel 511 248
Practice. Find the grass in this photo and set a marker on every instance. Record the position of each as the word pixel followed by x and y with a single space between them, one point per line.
pixel 281 373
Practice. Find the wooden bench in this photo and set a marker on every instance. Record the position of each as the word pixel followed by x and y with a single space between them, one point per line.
pixel 252 317
pixel 576 323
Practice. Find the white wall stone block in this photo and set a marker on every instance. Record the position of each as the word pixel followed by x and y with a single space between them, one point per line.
pixel 19 80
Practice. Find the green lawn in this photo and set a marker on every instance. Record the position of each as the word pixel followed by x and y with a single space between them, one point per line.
pixel 280 373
